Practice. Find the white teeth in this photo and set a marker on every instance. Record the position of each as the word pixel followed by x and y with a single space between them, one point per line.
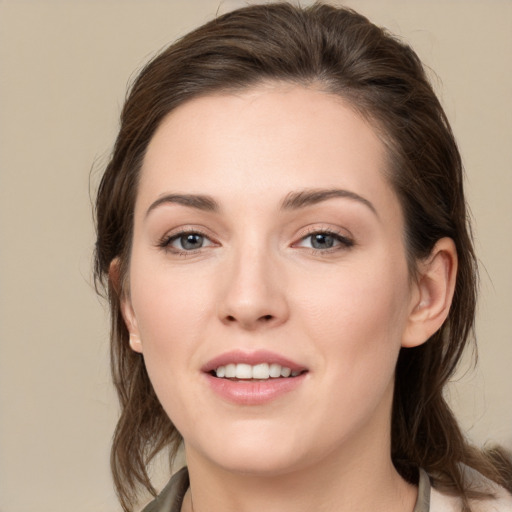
pixel 275 370
pixel 262 371
pixel 243 371
pixel 285 372
pixel 230 371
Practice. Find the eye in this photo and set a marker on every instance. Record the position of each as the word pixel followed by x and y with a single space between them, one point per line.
pixel 186 242
pixel 325 240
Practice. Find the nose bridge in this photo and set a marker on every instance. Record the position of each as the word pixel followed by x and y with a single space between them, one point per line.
pixel 254 293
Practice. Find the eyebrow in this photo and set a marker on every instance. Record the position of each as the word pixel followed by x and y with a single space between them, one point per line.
pixel 293 201
pixel 309 197
pixel 200 202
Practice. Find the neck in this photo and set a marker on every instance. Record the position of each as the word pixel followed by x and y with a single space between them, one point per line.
pixel 359 479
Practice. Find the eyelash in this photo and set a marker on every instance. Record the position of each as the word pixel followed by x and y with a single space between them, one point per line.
pixel 167 240
pixel 344 242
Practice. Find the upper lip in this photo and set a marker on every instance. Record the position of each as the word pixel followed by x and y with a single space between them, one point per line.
pixel 252 358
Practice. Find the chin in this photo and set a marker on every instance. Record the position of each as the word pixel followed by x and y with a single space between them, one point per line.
pixel 257 450
pixel 261 463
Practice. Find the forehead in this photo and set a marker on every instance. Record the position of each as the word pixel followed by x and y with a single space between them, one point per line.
pixel 263 142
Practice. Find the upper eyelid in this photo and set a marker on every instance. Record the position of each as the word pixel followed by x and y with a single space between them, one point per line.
pixel 344 236
pixel 306 231
pixel 172 235
pixel 184 230
pixel 185 233
pixel 336 235
pixel 313 229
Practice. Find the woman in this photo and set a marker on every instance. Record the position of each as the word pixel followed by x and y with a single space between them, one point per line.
pixel 283 232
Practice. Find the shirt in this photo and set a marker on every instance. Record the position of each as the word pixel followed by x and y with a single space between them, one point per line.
pixel 429 499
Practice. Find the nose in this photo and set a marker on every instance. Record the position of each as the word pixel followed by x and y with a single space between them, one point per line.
pixel 253 292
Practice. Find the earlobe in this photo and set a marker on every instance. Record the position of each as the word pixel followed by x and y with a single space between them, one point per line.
pixel 135 343
pixel 131 323
pixel 433 294
pixel 129 317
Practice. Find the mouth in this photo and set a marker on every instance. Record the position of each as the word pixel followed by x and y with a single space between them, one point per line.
pixel 261 371
pixel 253 378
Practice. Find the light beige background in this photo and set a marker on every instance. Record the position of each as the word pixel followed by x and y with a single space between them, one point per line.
pixel 64 70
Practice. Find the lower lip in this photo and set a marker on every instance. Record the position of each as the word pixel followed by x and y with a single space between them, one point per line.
pixel 251 392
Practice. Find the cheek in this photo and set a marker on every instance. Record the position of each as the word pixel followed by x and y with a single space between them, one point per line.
pixel 168 313
pixel 358 320
pixel 168 305
pixel 360 300
pixel 171 310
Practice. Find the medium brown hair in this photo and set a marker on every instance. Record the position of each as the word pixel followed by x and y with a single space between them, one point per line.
pixel 343 53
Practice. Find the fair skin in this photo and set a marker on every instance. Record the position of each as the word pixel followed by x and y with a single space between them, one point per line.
pixel 266 232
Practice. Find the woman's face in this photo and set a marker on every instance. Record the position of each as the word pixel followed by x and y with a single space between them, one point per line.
pixel 269 290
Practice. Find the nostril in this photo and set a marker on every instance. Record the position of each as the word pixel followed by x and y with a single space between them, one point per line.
pixel 262 319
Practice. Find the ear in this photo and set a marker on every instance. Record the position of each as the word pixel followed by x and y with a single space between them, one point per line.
pixel 432 294
pixel 127 311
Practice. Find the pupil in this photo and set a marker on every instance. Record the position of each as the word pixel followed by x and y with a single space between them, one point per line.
pixel 322 241
pixel 191 241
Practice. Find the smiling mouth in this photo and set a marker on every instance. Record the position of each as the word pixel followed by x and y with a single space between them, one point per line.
pixel 263 371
